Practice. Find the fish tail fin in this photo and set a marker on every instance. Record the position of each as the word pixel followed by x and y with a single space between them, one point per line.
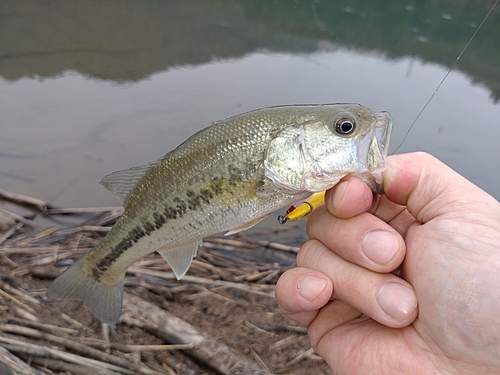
pixel 102 297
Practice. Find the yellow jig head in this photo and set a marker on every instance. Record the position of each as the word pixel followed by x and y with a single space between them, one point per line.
pixel 303 210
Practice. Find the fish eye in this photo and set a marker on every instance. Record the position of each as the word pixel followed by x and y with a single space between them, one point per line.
pixel 345 125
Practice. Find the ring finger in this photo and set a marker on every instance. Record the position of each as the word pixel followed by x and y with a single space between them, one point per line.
pixel 384 297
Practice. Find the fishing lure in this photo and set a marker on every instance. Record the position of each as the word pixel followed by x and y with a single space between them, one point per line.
pixel 304 209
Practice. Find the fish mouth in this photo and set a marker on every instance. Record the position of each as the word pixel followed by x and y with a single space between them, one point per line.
pixel 373 150
pixel 382 131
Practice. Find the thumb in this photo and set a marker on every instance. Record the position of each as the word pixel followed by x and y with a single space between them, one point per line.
pixel 429 188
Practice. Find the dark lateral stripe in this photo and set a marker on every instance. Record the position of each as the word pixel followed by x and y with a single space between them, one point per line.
pixel 133 236
pixel 193 201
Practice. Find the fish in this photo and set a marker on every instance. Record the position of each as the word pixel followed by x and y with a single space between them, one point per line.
pixel 225 178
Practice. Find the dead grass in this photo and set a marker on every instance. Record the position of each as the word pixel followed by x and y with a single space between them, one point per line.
pixel 221 318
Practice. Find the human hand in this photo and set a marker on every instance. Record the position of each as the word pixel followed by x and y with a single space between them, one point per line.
pixel 441 234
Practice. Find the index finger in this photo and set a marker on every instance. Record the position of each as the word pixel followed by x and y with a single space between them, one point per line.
pixel 349 198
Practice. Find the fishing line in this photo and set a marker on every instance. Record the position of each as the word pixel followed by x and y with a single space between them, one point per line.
pixel 444 78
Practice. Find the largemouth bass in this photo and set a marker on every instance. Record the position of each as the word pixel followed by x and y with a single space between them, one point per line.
pixel 226 177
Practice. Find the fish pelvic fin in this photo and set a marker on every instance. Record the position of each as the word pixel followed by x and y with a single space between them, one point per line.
pixel 102 297
pixel 180 258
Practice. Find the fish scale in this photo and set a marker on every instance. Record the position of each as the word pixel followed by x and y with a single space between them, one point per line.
pixel 225 178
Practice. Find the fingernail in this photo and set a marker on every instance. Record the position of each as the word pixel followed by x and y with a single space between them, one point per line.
pixel 338 197
pixel 397 301
pixel 310 287
pixel 379 246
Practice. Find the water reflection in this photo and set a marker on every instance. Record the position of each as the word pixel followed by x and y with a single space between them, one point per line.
pixel 90 87
pixel 130 40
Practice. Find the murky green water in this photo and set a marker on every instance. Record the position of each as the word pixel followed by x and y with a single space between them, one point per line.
pixel 90 87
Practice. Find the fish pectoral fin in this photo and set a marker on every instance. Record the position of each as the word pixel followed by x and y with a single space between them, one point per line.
pixel 180 258
pixel 245 226
pixel 121 183
pixel 102 297
pixel 233 192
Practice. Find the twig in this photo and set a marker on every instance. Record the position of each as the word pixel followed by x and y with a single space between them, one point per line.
pixel 18 293
pixel 228 312
pixel 271 230
pixel 44 234
pixel 142 314
pixel 12 363
pixel 168 369
pixel 255 276
pixel 58 365
pixel 279 246
pixel 10 232
pixel 155 288
pixel 73 322
pixel 29 267
pixel 19 346
pixel 39 204
pixel 132 348
pixel 98 343
pixel 253 326
pixel 223 260
pixel 89 228
pixel 56 330
pixel 22 313
pixel 203 281
pixel 284 342
pixel 29 251
pixel 259 360
pixel 307 354
pixel 16 301
pixel 19 218
pixel 215 295
pixel 143 348
pixel 217 246
pixel 108 217
pixel 6 259
pixel 45 272
pixel 231 242
pixel 77 347
pixel 105 337
pixel 271 276
pixel 294 329
pixel 206 266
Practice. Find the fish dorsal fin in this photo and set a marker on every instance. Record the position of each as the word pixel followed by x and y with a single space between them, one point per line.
pixel 121 183
pixel 245 226
pixel 180 258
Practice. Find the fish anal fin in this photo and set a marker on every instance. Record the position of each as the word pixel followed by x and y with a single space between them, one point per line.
pixel 180 258
pixel 245 226
pixel 102 297
pixel 121 183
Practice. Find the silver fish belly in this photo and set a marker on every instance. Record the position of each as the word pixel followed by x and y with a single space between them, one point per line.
pixel 225 178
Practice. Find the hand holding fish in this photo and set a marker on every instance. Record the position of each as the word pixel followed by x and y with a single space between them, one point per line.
pixel 441 234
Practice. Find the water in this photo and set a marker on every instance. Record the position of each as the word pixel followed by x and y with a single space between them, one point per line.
pixel 87 88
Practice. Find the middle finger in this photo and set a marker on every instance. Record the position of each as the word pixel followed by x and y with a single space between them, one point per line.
pixel 364 239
